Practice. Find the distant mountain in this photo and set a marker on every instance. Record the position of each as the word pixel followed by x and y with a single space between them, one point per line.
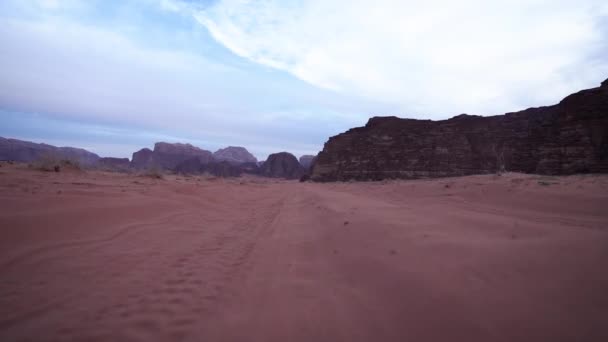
pixel 142 159
pixel 27 151
pixel 234 155
pixel 282 165
pixel 168 156
pixel 182 158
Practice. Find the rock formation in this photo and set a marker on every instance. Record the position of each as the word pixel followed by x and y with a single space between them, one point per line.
pixel 27 151
pixel 190 166
pixel 567 138
pixel 223 169
pixel 194 166
pixel 142 159
pixel 168 156
pixel 282 165
pixel 250 168
pixel 306 161
pixel 234 155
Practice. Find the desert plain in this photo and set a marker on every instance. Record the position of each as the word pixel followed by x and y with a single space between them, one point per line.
pixel 98 256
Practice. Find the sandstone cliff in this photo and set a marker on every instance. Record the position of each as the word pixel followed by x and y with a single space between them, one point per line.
pixel 142 159
pixel 282 165
pixel 27 151
pixel 168 156
pixel 234 155
pixel 567 138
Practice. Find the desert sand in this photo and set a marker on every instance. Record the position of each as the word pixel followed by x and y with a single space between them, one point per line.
pixel 93 256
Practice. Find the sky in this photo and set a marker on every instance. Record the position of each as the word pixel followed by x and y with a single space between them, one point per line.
pixel 116 76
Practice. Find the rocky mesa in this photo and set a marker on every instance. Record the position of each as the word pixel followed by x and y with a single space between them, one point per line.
pixel 567 138
pixel 169 156
pixel 282 165
pixel 234 155
pixel 27 151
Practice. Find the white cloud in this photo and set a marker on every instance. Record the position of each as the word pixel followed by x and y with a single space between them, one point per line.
pixel 95 74
pixel 439 57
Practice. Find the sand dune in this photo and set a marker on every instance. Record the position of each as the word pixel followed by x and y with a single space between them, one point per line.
pixel 109 257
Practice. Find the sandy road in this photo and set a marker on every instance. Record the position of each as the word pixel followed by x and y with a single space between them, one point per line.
pixel 104 257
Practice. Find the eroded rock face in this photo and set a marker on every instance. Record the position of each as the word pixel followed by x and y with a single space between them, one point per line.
pixel 567 138
pixel 223 169
pixel 27 151
pixel 250 168
pixel 142 159
pixel 169 156
pixel 190 166
pixel 306 161
pixel 194 166
pixel 282 165
pixel 234 155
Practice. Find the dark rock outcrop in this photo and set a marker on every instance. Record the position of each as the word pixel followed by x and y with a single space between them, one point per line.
pixel 114 164
pixel 250 168
pixel 27 151
pixel 567 138
pixel 306 161
pixel 190 166
pixel 234 155
pixel 223 169
pixel 142 159
pixel 194 166
pixel 282 165
pixel 168 156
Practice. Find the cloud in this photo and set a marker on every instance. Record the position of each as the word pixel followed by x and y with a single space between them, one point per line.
pixel 280 75
pixel 94 72
pixel 432 58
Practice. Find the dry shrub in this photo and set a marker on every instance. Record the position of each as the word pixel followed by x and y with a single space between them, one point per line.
pixel 153 172
pixel 53 162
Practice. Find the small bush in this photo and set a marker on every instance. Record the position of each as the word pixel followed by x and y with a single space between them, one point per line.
pixel 51 162
pixel 154 172
pixel 546 183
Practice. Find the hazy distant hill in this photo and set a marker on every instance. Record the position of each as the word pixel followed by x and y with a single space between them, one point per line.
pixel 27 151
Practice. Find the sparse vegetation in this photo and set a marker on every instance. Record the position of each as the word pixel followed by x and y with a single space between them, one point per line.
pixel 547 181
pixel 52 162
pixel 153 172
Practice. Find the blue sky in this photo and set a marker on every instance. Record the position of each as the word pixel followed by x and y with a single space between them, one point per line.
pixel 116 76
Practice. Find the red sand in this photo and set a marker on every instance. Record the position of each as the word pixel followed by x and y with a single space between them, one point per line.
pixel 109 257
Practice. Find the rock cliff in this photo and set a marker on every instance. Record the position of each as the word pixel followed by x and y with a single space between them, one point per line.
pixel 27 151
pixel 234 155
pixel 142 159
pixel 282 165
pixel 567 138
pixel 168 156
